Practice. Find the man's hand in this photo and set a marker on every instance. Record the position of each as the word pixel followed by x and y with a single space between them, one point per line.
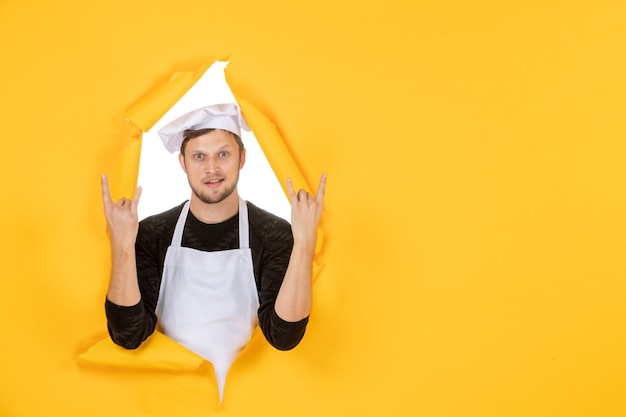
pixel 294 298
pixel 122 218
pixel 305 214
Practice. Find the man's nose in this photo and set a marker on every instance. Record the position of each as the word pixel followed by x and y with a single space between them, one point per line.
pixel 210 166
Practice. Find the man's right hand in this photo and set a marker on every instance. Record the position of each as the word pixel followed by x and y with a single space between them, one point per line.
pixel 122 218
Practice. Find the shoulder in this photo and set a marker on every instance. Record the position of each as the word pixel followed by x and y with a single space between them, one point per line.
pixel 268 225
pixel 262 218
pixel 161 222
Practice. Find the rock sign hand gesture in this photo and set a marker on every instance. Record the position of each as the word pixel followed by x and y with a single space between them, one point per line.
pixel 305 213
pixel 122 218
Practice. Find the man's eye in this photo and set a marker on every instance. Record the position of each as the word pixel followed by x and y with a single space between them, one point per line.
pixel 223 154
pixel 198 156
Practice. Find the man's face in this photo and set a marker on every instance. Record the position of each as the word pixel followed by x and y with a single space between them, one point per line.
pixel 212 165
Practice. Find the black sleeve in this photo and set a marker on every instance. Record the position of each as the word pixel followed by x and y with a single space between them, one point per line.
pixel 130 326
pixel 272 242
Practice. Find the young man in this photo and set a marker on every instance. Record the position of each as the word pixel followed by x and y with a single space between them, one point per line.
pixel 211 268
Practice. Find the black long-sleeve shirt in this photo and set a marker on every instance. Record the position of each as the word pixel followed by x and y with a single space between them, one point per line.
pixel 271 243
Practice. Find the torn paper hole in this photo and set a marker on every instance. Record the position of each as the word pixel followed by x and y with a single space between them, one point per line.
pixel 208 87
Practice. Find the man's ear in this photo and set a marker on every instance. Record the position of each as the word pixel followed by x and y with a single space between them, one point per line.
pixel 181 159
pixel 242 158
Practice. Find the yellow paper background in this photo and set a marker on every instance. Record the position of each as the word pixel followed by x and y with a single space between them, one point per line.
pixel 474 227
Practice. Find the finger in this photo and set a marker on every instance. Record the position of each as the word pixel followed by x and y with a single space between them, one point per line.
pixel 136 197
pixel 302 195
pixel 321 189
pixel 106 194
pixel 291 191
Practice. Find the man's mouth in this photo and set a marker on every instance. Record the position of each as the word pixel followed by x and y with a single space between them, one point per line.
pixel 213 182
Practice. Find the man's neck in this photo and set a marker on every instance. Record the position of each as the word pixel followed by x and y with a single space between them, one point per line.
pixel 215 212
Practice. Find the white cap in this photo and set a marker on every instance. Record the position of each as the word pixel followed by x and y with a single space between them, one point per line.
pixel 226 116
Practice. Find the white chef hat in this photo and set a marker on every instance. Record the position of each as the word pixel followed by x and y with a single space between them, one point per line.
pixel 226 116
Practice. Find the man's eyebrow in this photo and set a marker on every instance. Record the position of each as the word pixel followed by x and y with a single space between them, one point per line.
pixel 227 145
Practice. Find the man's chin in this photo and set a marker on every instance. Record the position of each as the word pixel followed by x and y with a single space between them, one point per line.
pixel 213 199
pixel 210 200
